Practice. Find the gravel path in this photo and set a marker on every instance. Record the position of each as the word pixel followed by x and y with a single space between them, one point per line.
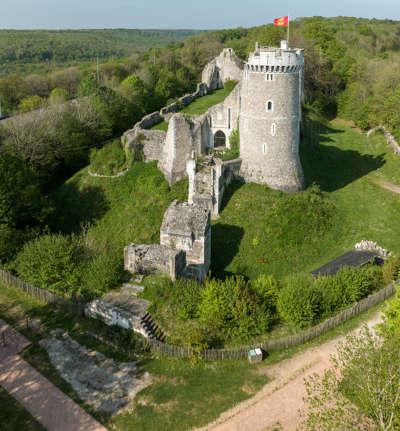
pixel 278 403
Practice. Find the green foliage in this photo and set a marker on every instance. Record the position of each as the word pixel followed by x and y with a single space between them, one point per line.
pixel 57 96
pixel 304 301
pixel 20 196
pixel 100 274
pixel 300 301
pixel 234 151
pixel 391 269
pixel 51 262
pixel 202 104
pixel 109 160
pixel 30 103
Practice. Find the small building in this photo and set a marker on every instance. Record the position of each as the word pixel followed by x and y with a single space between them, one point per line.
pixel 354 258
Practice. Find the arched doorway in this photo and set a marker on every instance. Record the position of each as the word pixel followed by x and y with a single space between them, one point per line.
pixel 219 139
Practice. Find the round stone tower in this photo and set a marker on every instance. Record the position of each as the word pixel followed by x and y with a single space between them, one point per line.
pixel 270 117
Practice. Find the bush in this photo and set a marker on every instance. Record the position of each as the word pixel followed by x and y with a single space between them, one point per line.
pixel 51 262
pixel 109 160
pixel 267 288
pixel 102 273
pixel 391 270
pixel 300 301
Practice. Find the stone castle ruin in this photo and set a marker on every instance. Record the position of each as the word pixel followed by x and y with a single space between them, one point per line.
pixel 265 106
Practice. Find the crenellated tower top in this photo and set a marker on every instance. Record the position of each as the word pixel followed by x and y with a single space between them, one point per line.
pixel 275 60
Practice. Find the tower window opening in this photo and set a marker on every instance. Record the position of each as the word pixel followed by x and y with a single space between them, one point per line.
pixel 270 106
pixel 219 139
pixel 264 149
pixel 273 129
pixel 269 77
pixel 229 117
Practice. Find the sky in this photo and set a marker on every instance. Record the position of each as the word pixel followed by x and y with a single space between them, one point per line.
pixel 179 14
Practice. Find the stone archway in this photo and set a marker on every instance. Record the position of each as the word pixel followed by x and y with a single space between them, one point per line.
pixel 219 139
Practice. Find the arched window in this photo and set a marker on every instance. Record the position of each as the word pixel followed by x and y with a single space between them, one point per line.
pixel 270 106
pixel 219 139
pixel 273 129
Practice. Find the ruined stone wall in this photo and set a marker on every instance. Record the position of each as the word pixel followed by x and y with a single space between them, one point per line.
pixel 227 66
pixel 146 144
pixel 177 149
pixel 225 115
pixel 147 259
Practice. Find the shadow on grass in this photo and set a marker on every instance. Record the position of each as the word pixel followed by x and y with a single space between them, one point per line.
pixel 75 208
pixel 329 166
pixel 225 240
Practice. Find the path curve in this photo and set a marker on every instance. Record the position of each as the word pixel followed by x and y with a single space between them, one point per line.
pixel 279 401
pixel 48 404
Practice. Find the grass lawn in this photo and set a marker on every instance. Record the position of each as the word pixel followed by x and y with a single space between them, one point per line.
pixel 13 417
pixel 183 394
pixel 202 104
pixel 265 231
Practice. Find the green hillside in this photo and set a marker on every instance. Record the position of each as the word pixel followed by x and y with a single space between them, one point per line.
pixel 23 51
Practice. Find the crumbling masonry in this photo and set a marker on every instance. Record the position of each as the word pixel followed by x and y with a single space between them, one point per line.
pixel 266 103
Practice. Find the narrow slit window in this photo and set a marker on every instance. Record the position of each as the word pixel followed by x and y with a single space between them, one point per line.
pixel 270 106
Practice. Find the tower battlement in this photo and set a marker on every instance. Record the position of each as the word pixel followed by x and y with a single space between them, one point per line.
pixel 275 60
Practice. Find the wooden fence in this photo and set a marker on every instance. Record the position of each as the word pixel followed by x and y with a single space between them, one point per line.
pixel 42 295
pixel 269 345
pixel 272 345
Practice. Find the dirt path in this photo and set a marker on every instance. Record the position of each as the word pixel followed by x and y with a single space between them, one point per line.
pixel 50 406
pixel 278 403
pixel 387 185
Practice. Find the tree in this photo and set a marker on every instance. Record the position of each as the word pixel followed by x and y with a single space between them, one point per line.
pixel 362 391
pixel 57 96
pixel 21 201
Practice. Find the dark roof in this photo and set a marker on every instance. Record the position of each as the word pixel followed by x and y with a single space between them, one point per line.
pixel 351 258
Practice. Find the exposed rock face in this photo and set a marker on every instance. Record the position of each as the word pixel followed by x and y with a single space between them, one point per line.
pixel 106 385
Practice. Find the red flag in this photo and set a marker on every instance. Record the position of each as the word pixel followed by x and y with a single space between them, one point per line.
pixel 283 21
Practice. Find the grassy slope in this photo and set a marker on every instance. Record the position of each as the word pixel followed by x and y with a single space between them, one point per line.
pixel 14 417
pixel 119 211
pixel 281 237
pixel 183 394
pixel 202 104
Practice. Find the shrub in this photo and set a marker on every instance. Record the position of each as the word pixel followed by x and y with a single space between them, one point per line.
pixel 348 286
pixel 391 270
pixel 300 301
pixel 267 288
pixel 51 262
pixel 102 273
pixel 233 308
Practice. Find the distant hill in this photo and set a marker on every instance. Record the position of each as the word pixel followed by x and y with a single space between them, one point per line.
pixel 25 51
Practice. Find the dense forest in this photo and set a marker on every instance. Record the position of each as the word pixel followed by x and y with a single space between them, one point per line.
pixel 44 50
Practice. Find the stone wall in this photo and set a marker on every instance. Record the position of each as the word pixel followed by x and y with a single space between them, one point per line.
pixel 227 66
pixel 148 259
pixel 269 137
pixel 144 144
pixel 224 117
pixel 390 139
pixel 208 182
pixel 177 149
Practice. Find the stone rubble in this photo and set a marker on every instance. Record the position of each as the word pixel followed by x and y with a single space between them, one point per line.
pixel 366 245
pixel 104 384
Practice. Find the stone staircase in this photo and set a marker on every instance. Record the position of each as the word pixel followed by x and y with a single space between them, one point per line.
pixel 152 330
